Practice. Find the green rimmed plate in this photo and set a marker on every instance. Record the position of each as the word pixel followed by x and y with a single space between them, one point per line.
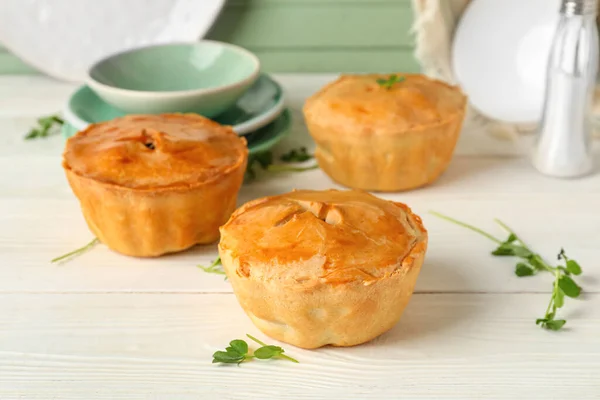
pixel 257 107
pixel 259 141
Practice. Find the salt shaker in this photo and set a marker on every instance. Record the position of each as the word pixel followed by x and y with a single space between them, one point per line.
pixel 563 147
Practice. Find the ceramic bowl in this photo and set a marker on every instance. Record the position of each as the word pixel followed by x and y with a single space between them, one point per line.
pixel 500 53
pixel 258 106
pixel 205 77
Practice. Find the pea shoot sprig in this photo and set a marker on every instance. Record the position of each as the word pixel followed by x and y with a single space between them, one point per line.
pixel 238 352
pixel 215 268
pixel 266 162
pixel 531 264
pixel 390 81
pixel 46 126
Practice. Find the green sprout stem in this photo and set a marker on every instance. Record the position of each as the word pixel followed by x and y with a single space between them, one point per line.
pixel 213 268
pixel 288 168
pixel 465 225
pixel 77 251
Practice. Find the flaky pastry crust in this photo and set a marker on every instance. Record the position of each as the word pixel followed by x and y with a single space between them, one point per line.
pixel 313 268
pixel 155 184
pixel 385 139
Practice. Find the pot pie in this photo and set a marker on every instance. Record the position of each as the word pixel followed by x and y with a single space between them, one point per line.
pixel 316 268
pixel 155 184
pixel 380 137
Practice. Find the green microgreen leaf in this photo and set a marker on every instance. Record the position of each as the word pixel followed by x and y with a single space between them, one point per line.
pixel 266 352
pixel 214 268
pixel 555 324
pixel 569 286
pixel 504 250
pixel 46 127
pixel 263 344
pixel 390 81
pixel 296 155
pixel 573 267
pixel 76 252
pixel 238 345
pixel 563 284
pixel 227 357
pixel 265 161
pixel 523 269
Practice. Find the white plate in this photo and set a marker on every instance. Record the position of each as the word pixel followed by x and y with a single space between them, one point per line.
pixel 500 54
pixel 62 38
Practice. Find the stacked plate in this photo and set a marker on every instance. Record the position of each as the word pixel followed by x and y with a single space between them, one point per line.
pixel 259 114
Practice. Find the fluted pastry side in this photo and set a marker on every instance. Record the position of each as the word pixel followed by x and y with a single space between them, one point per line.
pixel 140 224
pixel 386 163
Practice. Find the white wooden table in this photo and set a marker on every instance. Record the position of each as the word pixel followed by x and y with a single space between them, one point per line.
pixel 105 326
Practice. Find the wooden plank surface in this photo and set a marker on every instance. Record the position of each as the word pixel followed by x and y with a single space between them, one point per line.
pixel 446 346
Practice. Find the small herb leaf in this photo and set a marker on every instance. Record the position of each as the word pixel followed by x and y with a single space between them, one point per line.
pixel 504 250
pixel 45 127
pixel 227 357
pixel 573 267
pixel 390 81
pixel 239 345
pixel 214 268
pixel 523 269
pixel 296 155
pixel 265 161
pixel 266 352
pixel 522 252
pixel 555 324
pixel 568 286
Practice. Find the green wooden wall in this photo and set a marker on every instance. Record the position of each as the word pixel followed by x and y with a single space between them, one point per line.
pixel 309 35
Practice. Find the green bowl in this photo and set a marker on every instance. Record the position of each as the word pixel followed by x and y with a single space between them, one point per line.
pixel 205 77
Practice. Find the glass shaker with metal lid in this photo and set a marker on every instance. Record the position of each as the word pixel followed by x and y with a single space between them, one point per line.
pixel 563 147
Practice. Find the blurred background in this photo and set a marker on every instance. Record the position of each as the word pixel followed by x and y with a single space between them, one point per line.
pixel 304 35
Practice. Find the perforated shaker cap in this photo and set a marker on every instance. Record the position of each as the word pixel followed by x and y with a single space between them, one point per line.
pixel 579 7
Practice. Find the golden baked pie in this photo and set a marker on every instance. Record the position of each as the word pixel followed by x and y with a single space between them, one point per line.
pixel 381 137
pixel 313 268
pixel 155 184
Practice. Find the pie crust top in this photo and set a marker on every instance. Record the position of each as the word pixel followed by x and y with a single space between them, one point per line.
pixel 155 151
pixel 359 105
pixel 326 236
